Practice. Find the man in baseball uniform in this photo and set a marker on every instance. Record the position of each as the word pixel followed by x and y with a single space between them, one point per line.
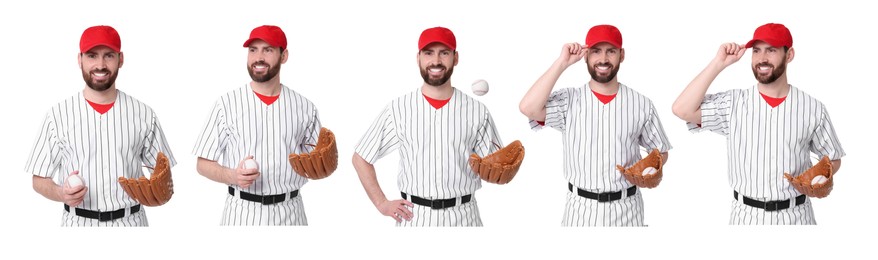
pixel 100 134
pixel 603 124
pixel 435 128
pixel 771 129
pixel 266 121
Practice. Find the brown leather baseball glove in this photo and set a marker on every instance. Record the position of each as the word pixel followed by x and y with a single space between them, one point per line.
pixel 155 191
pixel 634 174
pixel 802 183
pixel 501 166
pixel 321 161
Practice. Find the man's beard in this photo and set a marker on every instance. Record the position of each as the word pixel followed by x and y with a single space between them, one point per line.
pixel 270 74
pixel 439 81
pixel 775 73
pixel 90 82
pixel 602 79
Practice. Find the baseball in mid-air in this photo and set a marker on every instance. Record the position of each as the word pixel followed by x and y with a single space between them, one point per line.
pixel 480 87
pixel 250 164
pixel 819 179
pixel 74 181
pixel 649 171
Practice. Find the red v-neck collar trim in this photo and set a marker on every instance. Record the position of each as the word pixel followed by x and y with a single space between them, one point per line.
pixel 604 98
pixel 268 100
pixel 772 101
pixel 100 108
pixel 436 103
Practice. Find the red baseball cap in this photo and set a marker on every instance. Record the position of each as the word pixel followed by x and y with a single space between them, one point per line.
pixel 437 34
pixel 271 34
pixel 603 33
pixel 772 33
pixel 100 35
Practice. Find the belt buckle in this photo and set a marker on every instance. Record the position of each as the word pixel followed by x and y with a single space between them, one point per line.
pixel 440 204
pixel 603 197
pixel 107 216
pixel 771 205
pixel 268 200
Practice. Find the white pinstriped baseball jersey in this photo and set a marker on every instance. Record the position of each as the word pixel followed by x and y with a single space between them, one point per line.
pixel 746 215
pixel 238 212
pixel 434 146
pixel 465 215
pixel 584 212
pixel 239 125
pixel 102 147
pixel 765 142
pixel 596 137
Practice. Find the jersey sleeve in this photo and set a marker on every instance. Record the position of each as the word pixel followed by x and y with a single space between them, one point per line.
pixel 155 142
pixel 380 139
pixel 556 110
pixel 214 136
pixel 715 113
pixel 824 141
pixel 45 157
pixel 487 139
pixel 653 135
pixel 312 133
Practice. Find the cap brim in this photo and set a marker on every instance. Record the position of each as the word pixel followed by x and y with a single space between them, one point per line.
pixel 114 48
pixel 249 41
pixel 439 41
pixel 617 45
pixel 772 42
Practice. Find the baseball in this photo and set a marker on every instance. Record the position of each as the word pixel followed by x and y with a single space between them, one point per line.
pixel 649 171
pixel 74 180
pixel 250 164
pixel 480 87
pixel 819 179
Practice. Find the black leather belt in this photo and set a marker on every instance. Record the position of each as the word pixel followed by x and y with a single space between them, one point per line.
pixel 602 197
pixel 436 204
pixel 102 216
pixel 770 205
pixel 264 199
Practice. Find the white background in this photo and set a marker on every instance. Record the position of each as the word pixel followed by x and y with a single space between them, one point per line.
pixel 352 57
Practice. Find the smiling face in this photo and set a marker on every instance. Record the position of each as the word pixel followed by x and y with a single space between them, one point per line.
pixel 264 61
pixel 100 66
pixel 769 63
pixel 603 60
pixel 437 62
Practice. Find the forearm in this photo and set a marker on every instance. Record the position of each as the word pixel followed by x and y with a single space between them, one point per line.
pixel 835 165
pixel 664 158
pixel 366 173
pixel 688 104
pixel 46 187
pixel 214 171
pixel 533 105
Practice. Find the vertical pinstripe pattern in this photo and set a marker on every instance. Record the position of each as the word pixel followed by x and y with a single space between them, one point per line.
pixel 103 147
pixel 434 146
pixel 746 215
pixel 134 220
pixel 581 212
pixel 240 124
pixel 466 215
pixel 764 142
pixel 240 212
pixel 595 138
